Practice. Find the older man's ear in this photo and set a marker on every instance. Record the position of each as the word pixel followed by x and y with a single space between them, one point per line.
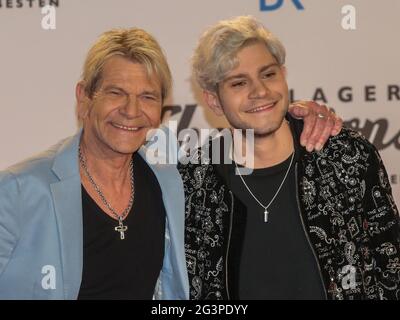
pixel 82 101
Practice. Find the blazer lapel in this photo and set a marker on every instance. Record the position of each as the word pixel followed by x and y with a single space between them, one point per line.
pixel 68 208
pixel 171 185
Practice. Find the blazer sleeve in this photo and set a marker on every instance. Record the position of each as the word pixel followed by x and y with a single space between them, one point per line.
pixel 383 223
pixel 9 218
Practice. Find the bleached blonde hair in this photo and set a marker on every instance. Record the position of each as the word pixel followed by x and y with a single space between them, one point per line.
pixel 215 54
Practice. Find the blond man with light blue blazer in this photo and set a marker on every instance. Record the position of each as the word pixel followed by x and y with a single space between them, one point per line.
pixel 53 205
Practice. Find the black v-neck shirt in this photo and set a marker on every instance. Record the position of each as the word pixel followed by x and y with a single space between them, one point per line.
pixel 129 268
pixel 277 261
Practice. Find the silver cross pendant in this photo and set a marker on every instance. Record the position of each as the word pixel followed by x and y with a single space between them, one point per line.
pixel 266 215
pixel 121 229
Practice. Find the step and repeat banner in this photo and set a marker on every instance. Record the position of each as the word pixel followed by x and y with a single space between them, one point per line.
pixel 345 54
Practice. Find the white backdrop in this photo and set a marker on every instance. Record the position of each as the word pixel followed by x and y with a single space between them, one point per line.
pixel 39 68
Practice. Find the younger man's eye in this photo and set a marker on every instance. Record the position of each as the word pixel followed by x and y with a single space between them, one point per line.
pixel 270 74
pixel 238 84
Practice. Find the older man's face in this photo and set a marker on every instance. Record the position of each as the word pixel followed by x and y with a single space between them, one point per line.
pixel 124 108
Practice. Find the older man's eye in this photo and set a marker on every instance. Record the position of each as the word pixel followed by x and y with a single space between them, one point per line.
pixel 115 92
pixel 150 97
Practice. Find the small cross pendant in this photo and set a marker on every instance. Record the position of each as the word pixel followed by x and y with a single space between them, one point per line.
pixel 266 215
pixel 121 229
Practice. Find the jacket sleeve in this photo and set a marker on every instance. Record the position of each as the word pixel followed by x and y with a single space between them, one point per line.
pixel 383 227
pixel 9 220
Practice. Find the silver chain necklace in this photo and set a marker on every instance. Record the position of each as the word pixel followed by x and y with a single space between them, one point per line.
pixel 121 228
pixel 266 212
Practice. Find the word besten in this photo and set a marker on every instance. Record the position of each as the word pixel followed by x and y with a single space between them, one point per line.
pixel 11 4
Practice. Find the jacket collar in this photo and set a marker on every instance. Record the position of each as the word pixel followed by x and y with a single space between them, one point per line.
pixel 67 201
pixel 174 277
pixel 296 127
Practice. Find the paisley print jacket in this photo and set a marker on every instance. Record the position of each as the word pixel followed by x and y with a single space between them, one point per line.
pixel 348 214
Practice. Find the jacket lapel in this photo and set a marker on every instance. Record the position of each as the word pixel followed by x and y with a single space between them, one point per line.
pixel 173 195
pixel 68 208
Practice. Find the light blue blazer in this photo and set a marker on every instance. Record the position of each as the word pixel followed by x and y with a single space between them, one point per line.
pixel 41 238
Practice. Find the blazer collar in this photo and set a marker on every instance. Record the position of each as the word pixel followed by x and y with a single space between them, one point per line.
pixel 67 201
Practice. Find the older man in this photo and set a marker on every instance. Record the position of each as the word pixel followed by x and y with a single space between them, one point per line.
pixel 91 218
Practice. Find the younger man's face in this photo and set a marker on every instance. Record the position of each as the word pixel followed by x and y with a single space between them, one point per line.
pixel 254 95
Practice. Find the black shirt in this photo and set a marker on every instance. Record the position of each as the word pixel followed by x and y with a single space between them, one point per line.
pixel 129 268
pixel 276 262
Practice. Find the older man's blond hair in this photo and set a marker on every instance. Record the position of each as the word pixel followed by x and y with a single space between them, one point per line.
pixel 133 44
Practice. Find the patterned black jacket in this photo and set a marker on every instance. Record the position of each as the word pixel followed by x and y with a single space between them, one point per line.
pixel 348 214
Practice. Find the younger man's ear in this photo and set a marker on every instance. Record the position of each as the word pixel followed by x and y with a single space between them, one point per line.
pixel 212 100
pixel 82 100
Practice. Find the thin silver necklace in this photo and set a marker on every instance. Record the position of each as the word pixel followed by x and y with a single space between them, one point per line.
pixel 121 228
pixel 266 212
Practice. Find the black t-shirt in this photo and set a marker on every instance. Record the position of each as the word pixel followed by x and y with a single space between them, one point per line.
pixel 277 261
pixel 129 268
